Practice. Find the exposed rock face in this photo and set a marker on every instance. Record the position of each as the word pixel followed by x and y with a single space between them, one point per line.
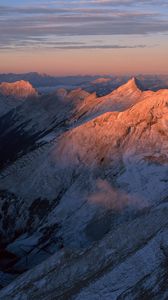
pixel 19 89
pixel 85 212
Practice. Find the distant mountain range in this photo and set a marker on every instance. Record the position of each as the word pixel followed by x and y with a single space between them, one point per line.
pixel 102 85
pixel 83 188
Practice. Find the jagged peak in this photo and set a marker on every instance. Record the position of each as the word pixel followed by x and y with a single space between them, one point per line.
pixel 18 89
pixel 131 85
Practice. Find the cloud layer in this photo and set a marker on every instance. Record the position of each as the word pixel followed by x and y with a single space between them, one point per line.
pixel 68 24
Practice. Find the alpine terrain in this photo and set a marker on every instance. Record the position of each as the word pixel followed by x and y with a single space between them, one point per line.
pixel 83 192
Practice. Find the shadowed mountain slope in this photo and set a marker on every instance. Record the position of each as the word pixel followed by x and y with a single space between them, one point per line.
pixel 90 204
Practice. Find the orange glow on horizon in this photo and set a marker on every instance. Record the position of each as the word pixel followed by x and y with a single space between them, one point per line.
pixel 67 62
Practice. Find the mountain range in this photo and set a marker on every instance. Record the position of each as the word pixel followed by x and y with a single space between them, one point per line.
pixel 83 189
pixel 95 83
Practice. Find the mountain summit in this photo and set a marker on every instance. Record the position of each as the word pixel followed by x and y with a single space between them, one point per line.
pixel 131 86
pixel 18 89
pixel 83 195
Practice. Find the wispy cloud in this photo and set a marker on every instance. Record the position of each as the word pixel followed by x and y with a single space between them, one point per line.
pixel 42 23
pixel 67 46
pixel 99 47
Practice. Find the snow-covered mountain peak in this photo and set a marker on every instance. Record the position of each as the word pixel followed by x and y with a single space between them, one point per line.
pixel 78 173
pixel 131 86
pixel 18 89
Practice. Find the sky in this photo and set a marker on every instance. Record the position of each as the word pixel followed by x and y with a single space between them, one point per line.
pixel 84 36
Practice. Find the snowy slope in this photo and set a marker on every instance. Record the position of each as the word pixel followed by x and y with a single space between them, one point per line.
pixel 94 196
pixel 121 266
pixel 118 100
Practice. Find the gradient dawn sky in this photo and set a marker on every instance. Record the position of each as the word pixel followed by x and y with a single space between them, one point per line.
pixel 84 36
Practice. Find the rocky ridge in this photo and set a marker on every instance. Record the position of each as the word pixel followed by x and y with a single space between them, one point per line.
pixel 91 202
